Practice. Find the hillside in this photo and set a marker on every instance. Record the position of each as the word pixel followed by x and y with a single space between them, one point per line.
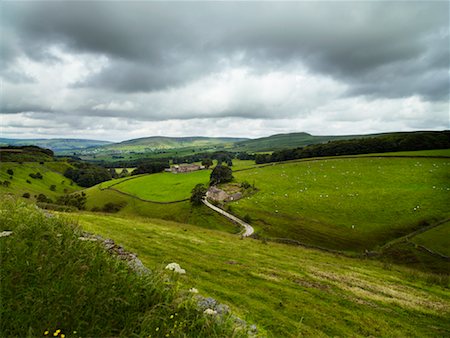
pixel 21 183
pixel 154 143
pixel 163 196
pixel 346 203
pixel 296 140
pixel 57 281
pixel 349 204
pixel 56 144
pixel 291 140
pixel 289 291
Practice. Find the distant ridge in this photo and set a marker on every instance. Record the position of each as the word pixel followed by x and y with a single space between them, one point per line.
pixel 290 140
pixel 165 143
pixel 55 144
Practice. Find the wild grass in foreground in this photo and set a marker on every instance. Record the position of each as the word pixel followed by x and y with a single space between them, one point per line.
pixel 53 283
pixel 289 291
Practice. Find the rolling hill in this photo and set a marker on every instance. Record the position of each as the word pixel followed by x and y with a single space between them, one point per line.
pixel 291 140
pixel 56 144
pixel 164 143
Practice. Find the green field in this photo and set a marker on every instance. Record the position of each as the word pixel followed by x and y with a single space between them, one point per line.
pixel 182 212
pixel 164 187
pixel 425 153
pixel 436 239
pixel 346 204
pixel 288 291
pixel 52 173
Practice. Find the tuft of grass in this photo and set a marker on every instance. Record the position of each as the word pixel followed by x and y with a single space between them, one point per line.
pixel 51 280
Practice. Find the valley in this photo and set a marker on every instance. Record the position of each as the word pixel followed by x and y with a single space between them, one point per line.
pixel 362 238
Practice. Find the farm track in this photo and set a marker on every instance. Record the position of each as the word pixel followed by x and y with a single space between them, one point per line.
pixel 248 229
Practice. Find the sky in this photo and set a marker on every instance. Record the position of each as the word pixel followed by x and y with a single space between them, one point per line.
pixel 122 70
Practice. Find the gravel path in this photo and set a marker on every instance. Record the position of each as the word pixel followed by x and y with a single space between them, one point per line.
pixel 248 228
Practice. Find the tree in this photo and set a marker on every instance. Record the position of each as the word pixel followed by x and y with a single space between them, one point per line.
pixel 43 199
pixel 207 162
pixel 220 174
pixel 198 194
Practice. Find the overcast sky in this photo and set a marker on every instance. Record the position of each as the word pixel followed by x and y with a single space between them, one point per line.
pixel 121 70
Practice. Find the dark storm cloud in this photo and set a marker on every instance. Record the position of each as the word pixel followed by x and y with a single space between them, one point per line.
pixel 382 49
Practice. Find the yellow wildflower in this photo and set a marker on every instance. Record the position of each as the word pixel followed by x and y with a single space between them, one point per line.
pixel 157 329
pixel 171 316
pixel 63 335
pixel 45 333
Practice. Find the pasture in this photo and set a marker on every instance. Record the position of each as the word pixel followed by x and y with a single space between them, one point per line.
pixel 182 212
pixel 288 291
pixel 163 187
pixel 52 173
pixel 348 203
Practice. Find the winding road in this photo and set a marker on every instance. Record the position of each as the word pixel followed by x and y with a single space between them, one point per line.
pixel 248 229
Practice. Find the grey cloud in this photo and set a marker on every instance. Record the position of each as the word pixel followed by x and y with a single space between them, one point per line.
pixel 153 46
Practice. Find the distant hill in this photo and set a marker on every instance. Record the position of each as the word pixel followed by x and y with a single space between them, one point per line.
pixel 55 144
pixel 164 143
pixel 292 140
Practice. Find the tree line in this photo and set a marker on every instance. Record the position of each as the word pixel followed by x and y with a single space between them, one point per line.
pixel 380 144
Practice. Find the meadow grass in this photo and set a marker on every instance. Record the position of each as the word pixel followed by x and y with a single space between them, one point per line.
pixel 164 187
pixel 182 212
pixel 288 291
pixel 52 173
pixel 346 204
pixel 51 280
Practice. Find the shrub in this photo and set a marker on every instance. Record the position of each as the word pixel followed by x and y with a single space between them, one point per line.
pixel 28 181
pixel 247 218
pixel 37 175
pixel 112 207
pixel 10 172
pixel 246 185
pixel 43 199
pixel 53 187
pixel 26 195
pixel 6 184
pixel 198 194
pixel 77 200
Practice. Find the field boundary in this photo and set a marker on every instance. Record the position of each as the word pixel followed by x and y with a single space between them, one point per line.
pixel 137 197
pixel 407 237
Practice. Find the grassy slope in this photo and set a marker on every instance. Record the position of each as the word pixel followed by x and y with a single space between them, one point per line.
pixel 55 144
pixel 164 187
pixel 288 290
pixel 181 212
pixel 51 172
pixel 52 280
pixel 318 201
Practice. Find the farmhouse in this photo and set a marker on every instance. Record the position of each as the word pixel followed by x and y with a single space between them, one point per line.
pixel 186 168
pixel 216 194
